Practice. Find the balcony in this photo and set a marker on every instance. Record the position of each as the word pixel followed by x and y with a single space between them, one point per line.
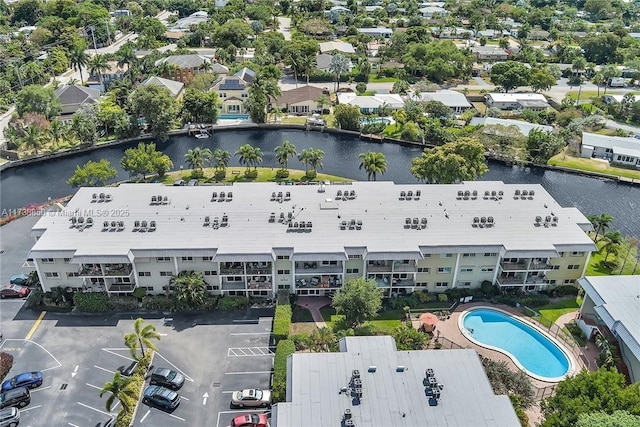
pixel 117 270
pixel 511 280
pixel 379 266
pixel 403 267
pixel 513 266
pixel 535 280
pixel 319 282
pixel 540 265
pixel 90 270
pixel 403 283
pixel 231 268
pixel 121 287
pixel 233 286
pixel 316 267
pixel 259 268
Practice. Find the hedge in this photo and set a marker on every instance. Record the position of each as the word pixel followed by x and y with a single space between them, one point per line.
pixel 6 363
pixel 125 418
pixel 282 322
pixel 279 386
pixel 124 303
pixel 159 302
pixel 91 302
pixel 232 303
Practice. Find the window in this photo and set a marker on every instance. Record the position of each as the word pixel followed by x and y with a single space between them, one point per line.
pixel 464 284
pixel 51 275
pixel 355 256
pixel 426 256
pixel 466 270
pixel 284 271
pixel 234 279
pixel 401 276
pixel 212 288
pixel 48 260
pixel 424 270
pixel 577 253
pixel 223 95
pixel 555 267
pixel 444 270
pixel 422 284
pixel 284 286
pixel 568 281
pixel 144 274
pixel 486 269
pixel 207 258
pixel 210 272
pixel 446 255
pixel 442 284
pixel 165 274
pixel 574 267
pixel 550 281
pixel 491 254
pixel 468 255
pixel 329 262
pixel 67 260
pixel 187 259
pixel 244 95
pixel 282 257
pixel 163 259
pixel 71 274
pixel 353 270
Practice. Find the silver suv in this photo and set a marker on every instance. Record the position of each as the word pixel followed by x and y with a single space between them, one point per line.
pixel 9 417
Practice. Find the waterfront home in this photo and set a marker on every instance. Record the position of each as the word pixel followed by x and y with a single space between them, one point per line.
pixel 337 46
pixel 175 88
pixel 523 127
pixel 452 99
pixel 615 149
pixel 232 93
pixel 610 307
pixel 371 104
pixel 517 101
pixel 73 97
pixel 301 100
pixel 185 67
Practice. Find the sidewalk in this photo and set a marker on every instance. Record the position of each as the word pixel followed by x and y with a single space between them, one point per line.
pixel 314 304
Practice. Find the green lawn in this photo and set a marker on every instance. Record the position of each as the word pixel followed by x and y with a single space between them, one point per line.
pixel 301 315
pixel 385 322
pixel 373 78
pixel 236 174
pixel 565 160
pixel 596 267
pixel 555 310
pixel 293 120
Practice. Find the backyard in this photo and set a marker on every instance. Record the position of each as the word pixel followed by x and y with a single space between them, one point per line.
pixel 565 160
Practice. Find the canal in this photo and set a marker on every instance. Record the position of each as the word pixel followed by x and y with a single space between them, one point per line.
pixel 37 182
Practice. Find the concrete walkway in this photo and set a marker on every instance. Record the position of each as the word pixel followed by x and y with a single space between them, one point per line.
pixel 566 318
pixel 314 304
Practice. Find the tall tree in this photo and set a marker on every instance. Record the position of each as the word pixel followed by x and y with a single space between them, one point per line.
pixel 78 58
pixel 339 65
pixel 510 75
pixel 58 131
pixel 614 240
pixel 373 163
pixel 121 388
pixel 92 174
pixel 284 152
pixel 140 337
pixel 200 106
pixel 600 224
pixel 37 99
pixel 98 65
pixel 157 106
pixel 221 159
pixel 198 157
pixel 33 138
pixel 358 300
pixel 249 156
pixel 190 288
pixel 462 160
pixel 144 160
pixel 347 117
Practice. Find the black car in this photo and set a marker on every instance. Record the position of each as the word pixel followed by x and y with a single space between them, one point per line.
pixel 19 397
pixel 127 371
pixel 167 378
pixel 161 397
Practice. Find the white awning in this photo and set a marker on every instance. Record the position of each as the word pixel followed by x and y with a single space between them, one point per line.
pixel 355 250
pixel 243 258
pixel 382 256
pixel 629 340
pixel 51 254
pixel 100 259
pixel 605 316
pixel 319 256
pixel 154 253
pixel 540 253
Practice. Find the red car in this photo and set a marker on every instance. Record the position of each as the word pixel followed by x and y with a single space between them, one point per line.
pixel 250 420
pixel 14 291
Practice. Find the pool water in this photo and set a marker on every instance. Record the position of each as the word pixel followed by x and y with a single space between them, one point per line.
pixel 527 347
pixel 233 117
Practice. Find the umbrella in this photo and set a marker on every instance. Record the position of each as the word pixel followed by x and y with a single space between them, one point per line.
pixel 429 319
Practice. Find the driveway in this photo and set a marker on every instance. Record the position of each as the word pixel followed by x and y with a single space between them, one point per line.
pixel 284 27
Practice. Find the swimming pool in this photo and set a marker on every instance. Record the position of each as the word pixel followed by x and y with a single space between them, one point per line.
pixel 532 351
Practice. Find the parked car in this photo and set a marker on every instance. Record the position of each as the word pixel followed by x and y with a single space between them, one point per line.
pixel 20 397
pixel 19 279
pixel 127 371
pixel 167 378
pixel 9 417
pixel 251 397
pixel 109 423
pixel 179 182
pixel 14 291
pixel 250 420
pixel 159 396
pixel 25 379
pixel 192 182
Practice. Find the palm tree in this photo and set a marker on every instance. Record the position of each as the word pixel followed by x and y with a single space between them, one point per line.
pixel 221 159
pixel 632 242
pixel 374 163
pixel 322 101
pixel 339 65
pixel 97 66
pixel 78 58
pixel 400 116
pixel 198 157
pixel 315 159
pixel 249 156
pixel 190 288
pixel 57 131
pixel 121 388
pixel 284 152
pixel 141 337
pixel 33 138
pixel 127 56
pixel 614 239
pixel 305 157
pixel 600 224
pixel 323 339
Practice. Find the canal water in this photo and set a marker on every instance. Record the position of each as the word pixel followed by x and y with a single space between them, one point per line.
pixel 38 182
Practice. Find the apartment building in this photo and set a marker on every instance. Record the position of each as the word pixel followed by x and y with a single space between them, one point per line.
pixel 254 239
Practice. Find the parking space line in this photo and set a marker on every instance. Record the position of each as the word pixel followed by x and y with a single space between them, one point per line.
pixel 30 408
pixel 93 409
pixel 249 351
pixel 248 373
pixel 108 350
pixel 104 369
pixel 35 325
pixel 182 397
pixel 227 391
pixel 145 415
pixel 237 412
pixel 175 416
pixel 94 386
pixel 233 334
pixel 40 389
pixel 73 425
pixel 186 377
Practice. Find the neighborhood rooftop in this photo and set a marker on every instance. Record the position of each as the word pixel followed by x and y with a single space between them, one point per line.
pixel 393 392
pixel 449 213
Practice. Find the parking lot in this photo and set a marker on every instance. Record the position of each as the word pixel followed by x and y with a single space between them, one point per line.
pixel 217 353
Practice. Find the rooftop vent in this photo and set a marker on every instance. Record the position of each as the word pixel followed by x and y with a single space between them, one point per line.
pixel 349 423
pixel 418 194
pixel 372 368
pixel 94 197
pixel 474 194
pixel 400 368
pixel 347 414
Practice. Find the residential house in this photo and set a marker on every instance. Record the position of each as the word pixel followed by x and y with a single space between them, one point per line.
pixel 323 63
pixel 246 74
pixel 232 93
pixel 113 73
pixel 175 88
pixel 372 104
pixel 188 66
pixel 514 235
pixel 610 307
pixel 371 9
pixel 377 32
pixel 612 98
pixel 432 11
pixel 451 33
pixel 490 53
pixel 452 99
pixel 73 97
pixel 616 149
pixel 185 24
pixel 517 101
pixel 369 382
pixel 523 127
pixel 537 34
pixel 301 100
pixel 492 34
pixel 337 46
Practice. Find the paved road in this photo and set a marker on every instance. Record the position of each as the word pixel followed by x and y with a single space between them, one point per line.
pixel 284 27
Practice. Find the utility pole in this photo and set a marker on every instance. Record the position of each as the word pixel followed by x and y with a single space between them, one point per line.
pixel 106 24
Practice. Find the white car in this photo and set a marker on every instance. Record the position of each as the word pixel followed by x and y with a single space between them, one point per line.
pixel 251 397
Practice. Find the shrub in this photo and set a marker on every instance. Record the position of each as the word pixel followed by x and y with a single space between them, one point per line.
pixel 159 302
pixel 251 173
pixel 565 290
pixel 301 341
pixel 311 174
pixel 282 322
pixel 122 303
pixel 139 293
pixel 6 363
pixel 443 297
pixel 125 418
pixel 423 296
pixel 279 385
pixel 487 288
pixel 282 173
pixel 232 303
pixel 376 128
pixel 511 300
pixel 197 174
pixel 91 302
pixel 220 175
pixel 536 300
pixel 35 298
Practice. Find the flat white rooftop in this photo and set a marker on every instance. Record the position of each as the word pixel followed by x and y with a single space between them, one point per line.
pixel 180 222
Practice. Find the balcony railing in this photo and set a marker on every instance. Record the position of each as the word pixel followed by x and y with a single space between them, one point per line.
pixel 259 285
pixel 122 271
pixel 511 266
pixel 540 266
pixel 380 267
pixel 90 270
pixel 318 282
pixel 233 286
pixel 403 283
pixel 317 267
pixel 231 270
pixel 535 280
pixel 511 280
pixel 399 266
pixel 121 287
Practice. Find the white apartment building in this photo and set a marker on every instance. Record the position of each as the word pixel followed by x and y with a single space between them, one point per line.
pixel 254 239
